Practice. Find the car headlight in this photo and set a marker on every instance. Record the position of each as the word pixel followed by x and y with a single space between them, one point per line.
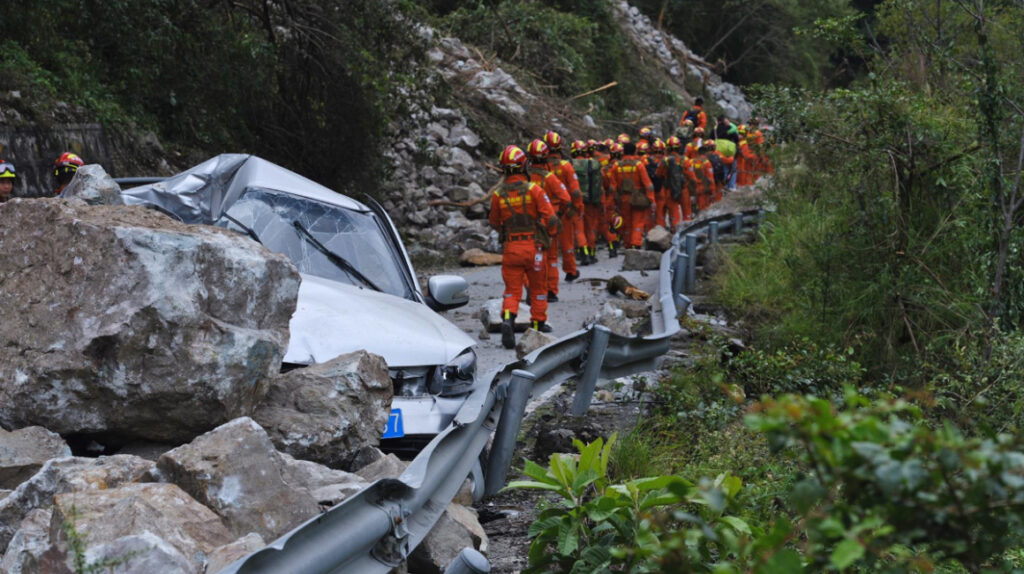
pixel 456 377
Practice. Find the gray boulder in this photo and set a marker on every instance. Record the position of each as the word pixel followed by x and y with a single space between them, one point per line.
pixel 235 471
pixel 490 315
pixel 659 238
pixel 92 184
pixel 106 519
pixel 62 475
pixel 531 341
pixel 225 555
pixel 328 411
pixel 457 528
pixel 640 259
pixel 23 452
pixel 28 544
pixel 117 319
pixel 324 485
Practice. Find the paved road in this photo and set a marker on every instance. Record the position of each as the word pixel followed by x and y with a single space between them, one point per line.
pixel 577 303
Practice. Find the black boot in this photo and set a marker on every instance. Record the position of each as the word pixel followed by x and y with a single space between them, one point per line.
pixel 542 326
pixel 552 297
pixel 570 277
pixel 508 332
pixel 585 258
pixel 612 250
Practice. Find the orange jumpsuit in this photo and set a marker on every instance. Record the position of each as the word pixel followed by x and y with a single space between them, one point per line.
pixel 746 163
pixel 572 220
pixel 593 212
pixel 522 255
pixel 677 195
pixel 631 173
pixel 611 205
pixel 702 118
pixel 660 192
pixel 560 202
pixel 693 148
pixel 702 176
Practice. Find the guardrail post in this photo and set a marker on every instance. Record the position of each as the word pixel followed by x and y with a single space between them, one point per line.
pixel 679 277
pixel 599 336
pixel 737 225
pixel 713 232
pixel 469 561
pixel 691 264
pixel 504 445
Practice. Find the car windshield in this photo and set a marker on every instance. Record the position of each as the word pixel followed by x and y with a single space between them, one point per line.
pixel 352 236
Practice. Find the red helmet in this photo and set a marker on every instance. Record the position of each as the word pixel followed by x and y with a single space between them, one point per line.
pixel 512 159
pixel 642 148
pixel 65 167
pixel 698 131
pixel 616 149
pixel 616 222
pixel 553 140
pixel 608 143
pixel 622 139
pixel 578 147
pixel 67 159
pixel 646 133
pixel 686 122
pixel 592 145
pixel 658 146
pixel 674 143
pixel 537 150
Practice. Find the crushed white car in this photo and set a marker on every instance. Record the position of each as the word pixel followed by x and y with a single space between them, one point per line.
pixel 358 291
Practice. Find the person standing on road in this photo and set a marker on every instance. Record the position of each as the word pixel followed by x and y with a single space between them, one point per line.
pixel 7 178
pixel 540 174
pixel 572 219
pixel 525 219
pixel 612 216
pixel 677 194
pixel 588 171
pixel 635 193
pixel 64 170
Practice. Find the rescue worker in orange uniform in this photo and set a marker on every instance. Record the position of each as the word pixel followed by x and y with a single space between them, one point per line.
pixel 702 179
pixel 537 156
pixel 746 160
pixel 612 217
pixel 677 193
pixel 572 220
pixel 636 195
pixel 717 158
pixel 654 159
pixel 523 215
pixel 693 148
pixel 643 151
pixel 64 170
pixel 696 114
pixel 588 172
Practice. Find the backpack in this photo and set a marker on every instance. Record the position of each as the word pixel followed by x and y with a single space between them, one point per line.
pixel 588 172
pixel 692 114
pixel 637 196
pixel 675 179
pixel 652 173
pixel 717 166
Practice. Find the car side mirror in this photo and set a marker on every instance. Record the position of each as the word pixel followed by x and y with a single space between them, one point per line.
pixel 446 292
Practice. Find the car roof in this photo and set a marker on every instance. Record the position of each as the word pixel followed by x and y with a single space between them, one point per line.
pixel 201 193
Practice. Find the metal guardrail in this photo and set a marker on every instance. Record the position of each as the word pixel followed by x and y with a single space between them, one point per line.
pixel 376 529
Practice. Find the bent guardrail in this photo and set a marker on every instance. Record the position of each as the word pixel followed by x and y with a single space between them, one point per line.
pixel 376 529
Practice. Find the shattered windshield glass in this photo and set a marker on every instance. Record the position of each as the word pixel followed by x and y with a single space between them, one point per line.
pixel 349 235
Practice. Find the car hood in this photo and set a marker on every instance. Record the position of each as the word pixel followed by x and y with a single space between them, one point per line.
pixel 333 318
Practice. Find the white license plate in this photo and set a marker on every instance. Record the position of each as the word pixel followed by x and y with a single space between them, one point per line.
pixel 394 427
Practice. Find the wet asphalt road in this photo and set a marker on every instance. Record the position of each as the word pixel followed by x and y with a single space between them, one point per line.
pixel 577 304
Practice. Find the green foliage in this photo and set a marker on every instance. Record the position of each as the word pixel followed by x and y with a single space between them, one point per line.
pixel 596 526
pixel 888 493
pixel 304 84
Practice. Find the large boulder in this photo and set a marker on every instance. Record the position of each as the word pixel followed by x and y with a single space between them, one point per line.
pixel 235 471
pixel 104 519
pixel 222 557
pixel 28 544
pixel 64 475
pixel 119 320
pixel 92 184
pixel 659 238
pixel 326 486
pixel 24 451
pixel 329 411
pixel 640 260
pixel 458 528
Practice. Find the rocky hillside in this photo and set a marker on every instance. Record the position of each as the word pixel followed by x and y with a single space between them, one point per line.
pixel 444 157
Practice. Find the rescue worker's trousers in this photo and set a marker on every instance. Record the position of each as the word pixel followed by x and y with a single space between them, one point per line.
pixel 671 212
pixel 567 243
pixel 581 233
pixel 635 223
pixel 551 262
pixel 518 260
pixel 660 206
pixel 595 223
